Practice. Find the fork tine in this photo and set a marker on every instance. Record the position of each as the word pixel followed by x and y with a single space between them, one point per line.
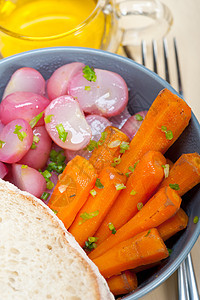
pixel 180 87
pixel 128 52
pixel 154 50
pixel 165 51
pixel 143 45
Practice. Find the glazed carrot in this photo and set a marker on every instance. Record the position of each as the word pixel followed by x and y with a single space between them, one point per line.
pixel 123 283
pixel 72 189
pixel 185 173
pixel 109 149
pixel 144 248
pixel 173 225
pixel 108 186
pixel 141 184
pixel 165 121
pixel 163 205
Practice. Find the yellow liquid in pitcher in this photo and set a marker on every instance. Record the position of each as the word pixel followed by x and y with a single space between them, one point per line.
pixel 47 18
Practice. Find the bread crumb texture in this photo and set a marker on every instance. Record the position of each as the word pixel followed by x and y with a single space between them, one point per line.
pixel 35 262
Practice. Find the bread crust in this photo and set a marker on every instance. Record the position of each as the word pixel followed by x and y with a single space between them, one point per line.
pixel 100 286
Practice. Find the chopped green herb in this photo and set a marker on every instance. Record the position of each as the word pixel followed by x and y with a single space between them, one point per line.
pixel 132 169
pixel 168 133
pixel 55 211
pixel 57 162
pixel 139 205
pixel 1 144
pixel 166 170
pixel 123 147
pixel 112 228
pixel 21 134
pixel 33 146
pixel 50 185
pixel 87 88
pixel 99 184
pixel 169 251
pixel 36 119
pixel 36 139
pixel 89 73
pixel 104 135
pixel 120 186
pixel 127 174
pixel 93 193
pixel 138 117
pixel 24 167
pixel 174 186
pixel 86 216
pixel 148 233
pixel 196 220
pixel 45 196
pixel 116 161
pixel 133 192
pixel 61 132
pixel 114 144
pixel 90 244
pixel 93 144
pixel 48 119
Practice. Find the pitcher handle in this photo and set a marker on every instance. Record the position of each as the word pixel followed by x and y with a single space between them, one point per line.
pixel 152 20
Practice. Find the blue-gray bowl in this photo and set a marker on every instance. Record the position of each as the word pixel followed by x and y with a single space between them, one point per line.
pixel 144 86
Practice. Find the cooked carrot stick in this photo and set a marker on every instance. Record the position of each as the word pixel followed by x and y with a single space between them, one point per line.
pixel 185 173
pixel 72 189
pixel 173 225
pixel 141 184
pixel 110 183
pixel 123 283
pixel 144 248
pixel 165 121
pixel 108 149
pixel 163 205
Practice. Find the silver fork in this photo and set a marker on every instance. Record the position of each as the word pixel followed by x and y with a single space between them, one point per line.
pixel 187 286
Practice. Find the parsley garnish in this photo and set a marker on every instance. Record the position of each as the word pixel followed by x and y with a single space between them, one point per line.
pixel 99 184
pixel 196 220
pixel 86 216
pixel 112 228
pixel 61 132
pixel 36 140
pixel 21 134
pixel 132 169
pixel 174 186
pixel 93 144
pixel 57 161
pixel 133 192
pixel 123 147
pixel 90 244
pixel 168 133
pixel 36 119
pixel 89 73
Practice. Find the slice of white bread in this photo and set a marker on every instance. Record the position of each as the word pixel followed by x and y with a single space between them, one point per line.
pixel 39 259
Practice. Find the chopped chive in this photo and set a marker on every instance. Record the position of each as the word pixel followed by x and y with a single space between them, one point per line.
pixel 168 133
pixel 148 233
pixel 93 193
pixel 120 186
pixel 196 220
pixel 138 117
pixel 99 184
pixel 36 139
pixel 50 185
pixel 131 169
pixel 1 144
pixel 86 216
pixel 45 196
pixel 174 186
pixel 93 144
pixel 166 170
pixel 123 147
pixel 61 132
pixel 133 192
pixel 89 73
pixel 55 211
pixel 112 228
pixel 87 88
pixel 139 205
pixel 114 144
pixel 90 244
pixel 36 119
pixel 127 174
pixel 24 167
pixel 21 134
pixel 169 251
pixel 48 119
pixel 33 146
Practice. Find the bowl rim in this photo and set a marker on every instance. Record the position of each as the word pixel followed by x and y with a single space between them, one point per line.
pixel 182 255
